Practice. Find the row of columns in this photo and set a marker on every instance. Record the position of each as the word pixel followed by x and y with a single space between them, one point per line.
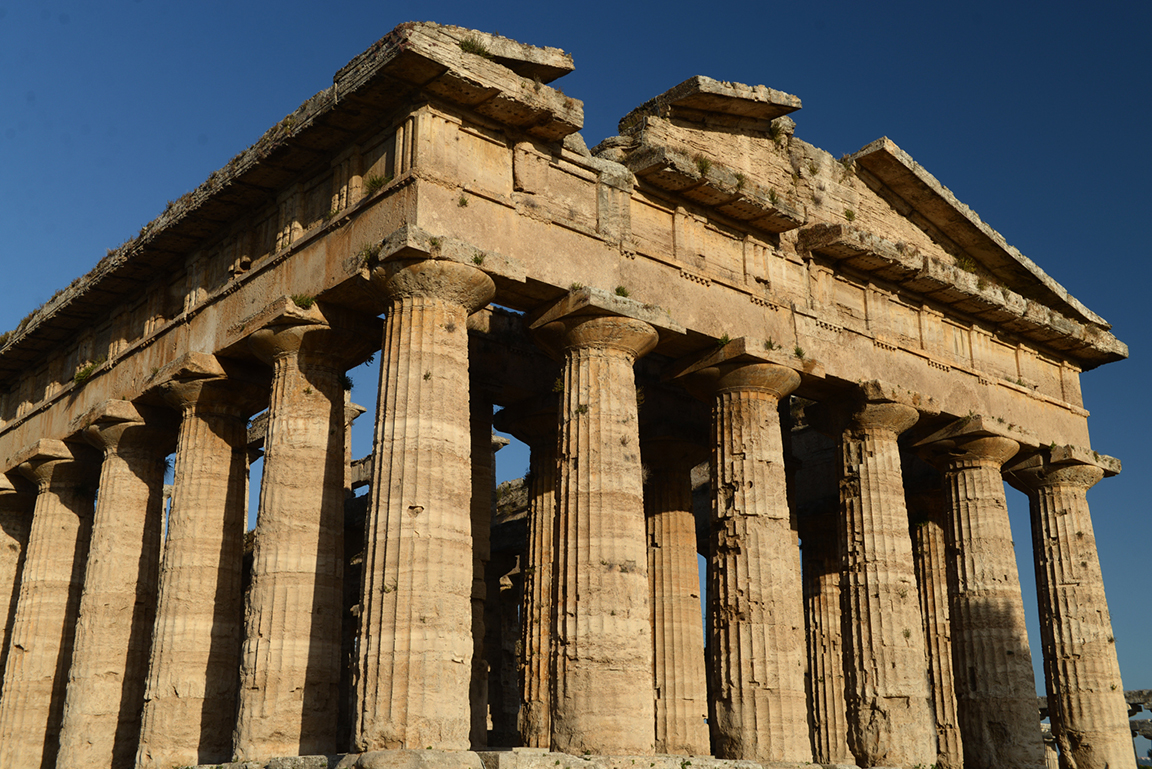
pixel 612 654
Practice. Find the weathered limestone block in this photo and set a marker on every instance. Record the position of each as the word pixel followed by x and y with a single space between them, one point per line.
pixel 43 630
pixel 602 695
pixel 15 520
pixel 101 724
pixel 995 687
pixel 674 577
pixel 415 653
pixel 821 567
pixel 190 699
pixel 890 720
pixel 290 669
pixel 534 423
pixel 1085 694
pixel 927 522
pixel 756 601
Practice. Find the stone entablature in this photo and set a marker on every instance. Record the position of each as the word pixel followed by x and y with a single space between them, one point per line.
pixel 705 250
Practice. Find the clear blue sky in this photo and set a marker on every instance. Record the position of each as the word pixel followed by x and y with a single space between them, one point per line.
pixel 1034 115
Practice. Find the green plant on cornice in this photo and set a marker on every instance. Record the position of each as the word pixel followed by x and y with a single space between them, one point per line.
pixel 303 301
pixel 813 167
pixel 434 242
pixel 773 198
pixel 798 351
pixel 740 181
pixel 575 286
pixel 477 258
pixel 85 372
pixel 723 340
pixel 368 252
pixel 621 291
pixel 473 46
pixel 770 344
pixel 776 133
pixel 462 202
pixel 849 214
pixel 966 263
pixel 374 183
pixel 703 164
pixel 346 382
pixel 331 214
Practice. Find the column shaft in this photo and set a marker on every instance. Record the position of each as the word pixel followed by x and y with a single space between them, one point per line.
pixel 1085 692
pixel 602 643
pixel 756 601
pixel 674 579
pixel 15 522
pixel 821 561
pixel 290 670
pixel 995 687
pixel 415 653
pixel 890 720
pixel 190 699
pixel 101 726
pixel 43 630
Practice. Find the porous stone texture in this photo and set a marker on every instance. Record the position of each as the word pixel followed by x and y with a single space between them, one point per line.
pixel 1085 694
pixel 101 724
pixel 674 577
pixel 15 521
pixel 535 424
pixel 758 703
pixel 828 711
pixel 994 682
pixel 927 517
pixel 890 719
pixel 43 630
pixel 415 639
pixel 290 661
pixel 190 698
pixel 602 696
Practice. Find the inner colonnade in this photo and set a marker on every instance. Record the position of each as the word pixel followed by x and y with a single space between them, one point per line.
pixel 858 393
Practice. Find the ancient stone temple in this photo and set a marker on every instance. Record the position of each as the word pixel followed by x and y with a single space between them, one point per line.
pixel 841 358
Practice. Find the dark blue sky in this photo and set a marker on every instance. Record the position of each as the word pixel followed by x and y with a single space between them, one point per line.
pixel 1037 119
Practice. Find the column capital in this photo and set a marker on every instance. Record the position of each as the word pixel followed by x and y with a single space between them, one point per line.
pixel 1039 472
pixel 634 338
pixel 113 421
pixel 286 329
pixel 49 462
pixel 216 395
pixel 873 406
pixel 973 440
pixel 449 281
pixel 770 378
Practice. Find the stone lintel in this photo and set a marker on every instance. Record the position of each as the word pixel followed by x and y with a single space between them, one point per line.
pixel 980 426
pixel 879 391
pixel 541 63
pixel 747 350
pixel 589 301
pixel 896 169
pixel 861 250
pixel 362 471
pixel 282 311
pixel 1066 455
pixel 44 449
pixel 412 242
pixel 703 94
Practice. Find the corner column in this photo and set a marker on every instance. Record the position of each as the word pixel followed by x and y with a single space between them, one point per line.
pixel 190 699
pixel 995 687
pixel 43 630
pixel 15 521
pixel 1085 693
pixel 535 424
pixel 674 579
pixel 290 663
pixel 602 647
pixel 415 642
pixel 890 720
pixel 101 724
pixel 756 599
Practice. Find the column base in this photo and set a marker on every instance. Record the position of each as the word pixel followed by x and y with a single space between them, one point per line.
pixel 508 758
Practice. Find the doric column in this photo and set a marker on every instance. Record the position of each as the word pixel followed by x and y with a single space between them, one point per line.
pixel 674 580
pixel 534 423
pixel 101 724
pixel 1085 694
pixel 15 520
pixel 927 521
pixel 995 687
pixel 415 652
pixel 483 477
pixel 290 663
pixel 602 644
pixel 43 630
pixel 755 594
pixel 821 566
pixel 190 699
pixel 890 719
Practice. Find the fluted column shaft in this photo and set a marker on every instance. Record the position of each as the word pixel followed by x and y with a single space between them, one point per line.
pixel 290 661
pixel 995 687
pixel 821 562
pixel 101 726
pixel 890 720
pixel 43 630
pixel 535 424
pixel 674 580
pixel 602 641
pixel 15 522
pixel 1085 692
pixel 929 553
pixel 756 601
pixel 190 699
pixel 415 652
